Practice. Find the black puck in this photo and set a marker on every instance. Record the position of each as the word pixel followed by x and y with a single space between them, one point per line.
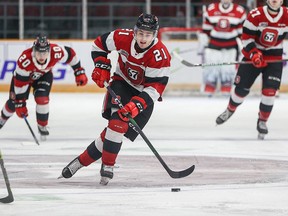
pixel 175 189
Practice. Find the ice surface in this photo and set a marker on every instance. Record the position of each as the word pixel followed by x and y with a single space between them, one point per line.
pixel 235 174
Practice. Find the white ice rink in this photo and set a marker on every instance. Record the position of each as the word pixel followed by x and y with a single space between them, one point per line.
pixel 235 174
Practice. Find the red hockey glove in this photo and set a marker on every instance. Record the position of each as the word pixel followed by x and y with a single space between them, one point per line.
pixel 80 76
pixel 133 108
pixel 101 72
pixel 257 59
pixel 20 108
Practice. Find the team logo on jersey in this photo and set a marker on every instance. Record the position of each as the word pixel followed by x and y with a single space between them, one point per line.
pixel 35 75
pixel 269 37
pixel 223 25
pixel 134 73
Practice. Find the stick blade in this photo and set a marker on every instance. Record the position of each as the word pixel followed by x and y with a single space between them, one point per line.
pixel 8 199
pixel 181 174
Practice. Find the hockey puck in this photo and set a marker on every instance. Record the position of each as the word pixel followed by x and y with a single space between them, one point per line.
pixel 175 189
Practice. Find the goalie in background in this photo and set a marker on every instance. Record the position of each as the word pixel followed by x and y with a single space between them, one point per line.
pixel 34 69
pixel 219 42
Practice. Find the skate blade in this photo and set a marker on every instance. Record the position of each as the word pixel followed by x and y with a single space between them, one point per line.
pixel 104 180
pixel 43 137
pixel 28 143
pixel 261 136
pixel 61 176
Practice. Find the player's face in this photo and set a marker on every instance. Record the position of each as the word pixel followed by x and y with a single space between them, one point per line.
pixel 275 4
pixel 144 38
pixel 41 56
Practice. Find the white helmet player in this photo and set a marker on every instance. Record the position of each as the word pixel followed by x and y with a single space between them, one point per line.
pixel 274 5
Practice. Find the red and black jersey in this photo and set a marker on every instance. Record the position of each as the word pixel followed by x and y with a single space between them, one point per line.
pixel 28 69
pixel 265 32
pixel 222 25
pixel 146 71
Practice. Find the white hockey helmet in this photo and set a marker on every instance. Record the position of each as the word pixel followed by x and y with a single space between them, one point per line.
pixel 274 5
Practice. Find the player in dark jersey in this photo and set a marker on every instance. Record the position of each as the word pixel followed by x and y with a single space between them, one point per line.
pixel 263 35
pixel 139 80
pixel 34 69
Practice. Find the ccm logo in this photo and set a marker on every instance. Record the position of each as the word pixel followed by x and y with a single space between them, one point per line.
pixel 103 66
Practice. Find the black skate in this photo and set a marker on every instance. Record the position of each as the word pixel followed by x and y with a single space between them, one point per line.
pixel 71 168
pixel 224 117
pixel 106 173
pixel 2 122
pixel 262 129
pixel 43 132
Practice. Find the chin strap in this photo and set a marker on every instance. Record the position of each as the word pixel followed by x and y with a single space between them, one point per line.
pixel 272 9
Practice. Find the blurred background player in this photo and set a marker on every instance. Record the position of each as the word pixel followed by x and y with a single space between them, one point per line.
pixel 263 35
pixel 34 69
pixel 219 42
pixel 139 80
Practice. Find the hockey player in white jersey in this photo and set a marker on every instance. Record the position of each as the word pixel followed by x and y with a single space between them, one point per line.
pixel 222 27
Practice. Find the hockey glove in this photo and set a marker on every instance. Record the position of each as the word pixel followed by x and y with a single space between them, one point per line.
pixel 80 76
pixel 20 108
pixel 257 59
pixel 101 72
pixel 133 108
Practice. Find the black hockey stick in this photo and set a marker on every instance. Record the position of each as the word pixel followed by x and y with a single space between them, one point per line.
pixel 173 174
pixel 189 64
pixel 36 140
pixel 9 198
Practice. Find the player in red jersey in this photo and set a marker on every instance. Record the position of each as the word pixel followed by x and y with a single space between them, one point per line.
pixel 222 28
pixel 34 69
pixel 139 80
pixel 263 35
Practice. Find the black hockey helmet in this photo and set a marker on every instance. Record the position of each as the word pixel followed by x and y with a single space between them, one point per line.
pixel 41 44
pixel 148 22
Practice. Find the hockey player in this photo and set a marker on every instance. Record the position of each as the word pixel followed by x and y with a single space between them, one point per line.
pixel 139 80
pixel 222 26
pixel 263 35
pixel 34 69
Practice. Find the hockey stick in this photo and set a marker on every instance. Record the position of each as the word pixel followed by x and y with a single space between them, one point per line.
pixel 173 174
pixel 36 140
pixel 9 198
pixel 189 64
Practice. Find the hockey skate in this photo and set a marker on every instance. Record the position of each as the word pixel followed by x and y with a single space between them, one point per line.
pixel 224 117
pixel 262 129
pixel 71 168
pixel 2 122
pixel 106 173
pixel 43 132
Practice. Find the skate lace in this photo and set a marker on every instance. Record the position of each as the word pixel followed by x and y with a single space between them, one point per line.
pixel 43 128
pixel 74 166
pixel 107 171
pixel 262 125
pixel 2 121
pixel 225 115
